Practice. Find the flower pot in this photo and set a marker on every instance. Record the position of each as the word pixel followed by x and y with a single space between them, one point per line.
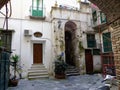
pixel 60 76
pixel 13 83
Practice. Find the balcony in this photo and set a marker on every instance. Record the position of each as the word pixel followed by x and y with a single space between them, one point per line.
pixel 37 13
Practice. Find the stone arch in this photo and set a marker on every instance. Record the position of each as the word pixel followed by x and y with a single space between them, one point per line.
pixel 70 28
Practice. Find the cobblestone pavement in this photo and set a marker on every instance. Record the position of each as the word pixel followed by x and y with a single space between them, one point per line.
pixel 82 82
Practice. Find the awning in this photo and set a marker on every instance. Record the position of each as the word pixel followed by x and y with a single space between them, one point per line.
pixel 3 2
pixel 111 8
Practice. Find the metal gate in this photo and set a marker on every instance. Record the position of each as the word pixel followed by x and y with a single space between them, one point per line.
pixel 4 70
pixel 108 64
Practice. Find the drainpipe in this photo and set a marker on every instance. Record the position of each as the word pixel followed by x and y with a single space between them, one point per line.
pixel 6 18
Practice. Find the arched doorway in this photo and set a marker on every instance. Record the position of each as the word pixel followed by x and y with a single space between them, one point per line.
pixel 70 28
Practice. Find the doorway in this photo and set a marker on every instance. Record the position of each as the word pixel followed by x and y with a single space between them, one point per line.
pixel 89 61
pixel 70 28
pixel 68 48
pixel 37 53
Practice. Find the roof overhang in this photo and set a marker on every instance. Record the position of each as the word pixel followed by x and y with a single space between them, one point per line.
pixel 111 8
pixel 3 2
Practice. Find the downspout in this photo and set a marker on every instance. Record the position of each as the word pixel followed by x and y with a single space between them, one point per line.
pixel 6 18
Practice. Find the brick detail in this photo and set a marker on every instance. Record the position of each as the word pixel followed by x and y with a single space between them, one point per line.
pixel 116 49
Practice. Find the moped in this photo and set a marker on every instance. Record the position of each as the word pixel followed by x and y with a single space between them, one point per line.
pixel 109 80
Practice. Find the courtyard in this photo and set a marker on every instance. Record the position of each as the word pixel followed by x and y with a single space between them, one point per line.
pixel 81 82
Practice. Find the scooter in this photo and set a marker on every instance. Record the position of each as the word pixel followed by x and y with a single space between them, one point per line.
pixel 108 82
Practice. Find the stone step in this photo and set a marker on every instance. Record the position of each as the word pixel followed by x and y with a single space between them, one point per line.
pixel 38 66
pixel 71 67
pixel 36 70
pixel 38 77
pixel 37 74
pixel 72 71
pixel 72 74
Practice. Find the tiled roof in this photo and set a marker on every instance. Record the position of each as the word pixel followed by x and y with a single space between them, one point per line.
pixel 3 2
pixel 110 7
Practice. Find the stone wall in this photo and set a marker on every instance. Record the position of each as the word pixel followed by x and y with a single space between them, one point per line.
pixel 116 47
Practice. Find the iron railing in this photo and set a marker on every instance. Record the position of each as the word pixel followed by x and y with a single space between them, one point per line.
pixel 37 11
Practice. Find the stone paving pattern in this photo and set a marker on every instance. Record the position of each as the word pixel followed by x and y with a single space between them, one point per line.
pixel 81 82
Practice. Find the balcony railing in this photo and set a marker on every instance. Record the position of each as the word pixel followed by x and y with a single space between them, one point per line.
pixel 38 12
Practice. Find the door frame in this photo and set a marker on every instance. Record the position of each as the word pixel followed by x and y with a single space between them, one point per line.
pixel 39 48
pixel 86 61
pixel 43 50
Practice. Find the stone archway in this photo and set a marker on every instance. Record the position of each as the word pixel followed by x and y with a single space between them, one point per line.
pixel 70 28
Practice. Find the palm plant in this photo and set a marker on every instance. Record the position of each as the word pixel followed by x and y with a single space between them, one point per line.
pixel 15 59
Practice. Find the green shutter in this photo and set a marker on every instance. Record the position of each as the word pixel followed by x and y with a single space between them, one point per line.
pixel 102 17
pixel 91 43
pixel 107 42
pixel 37 10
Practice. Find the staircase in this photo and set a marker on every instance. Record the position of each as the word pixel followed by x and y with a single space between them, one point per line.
pixel 72 71
pixel 37 71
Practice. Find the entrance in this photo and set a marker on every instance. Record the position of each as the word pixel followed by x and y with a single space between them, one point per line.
pixel 68 48
pixel 89 61
pixel 37 53
pixel 70 43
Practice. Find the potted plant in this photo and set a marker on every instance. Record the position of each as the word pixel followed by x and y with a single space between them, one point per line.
pixel 60 67
pixel 14 63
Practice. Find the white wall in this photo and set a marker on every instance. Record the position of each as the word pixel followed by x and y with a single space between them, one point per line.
pixel 27 42
pixel 97 63
pixel 20 8
pixel 20 21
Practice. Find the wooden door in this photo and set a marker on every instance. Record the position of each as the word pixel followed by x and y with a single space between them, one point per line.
pixel 89 61
pixel 37 53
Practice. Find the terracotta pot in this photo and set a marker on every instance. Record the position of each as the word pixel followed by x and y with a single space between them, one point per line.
pixel 60 76
pixel 13 83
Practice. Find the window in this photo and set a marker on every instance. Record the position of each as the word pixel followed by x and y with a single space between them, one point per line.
pixel 6 37
pixel 102 17
pixel 107 42
pixel 37 9
pixel 94 15
pixel 96 51
pixel 91 42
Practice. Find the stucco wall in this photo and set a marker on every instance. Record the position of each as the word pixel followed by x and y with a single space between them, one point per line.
pixel 83 23
pixel 23 45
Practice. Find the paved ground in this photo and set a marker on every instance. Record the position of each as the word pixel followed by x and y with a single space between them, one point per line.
pixel 82 82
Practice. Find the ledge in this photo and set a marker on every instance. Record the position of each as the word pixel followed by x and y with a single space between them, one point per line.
pixel 37 18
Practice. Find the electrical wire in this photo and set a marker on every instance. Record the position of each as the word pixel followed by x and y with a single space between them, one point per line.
pixel 6 15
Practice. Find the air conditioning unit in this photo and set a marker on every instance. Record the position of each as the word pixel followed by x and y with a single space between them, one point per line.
pixel 27 32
